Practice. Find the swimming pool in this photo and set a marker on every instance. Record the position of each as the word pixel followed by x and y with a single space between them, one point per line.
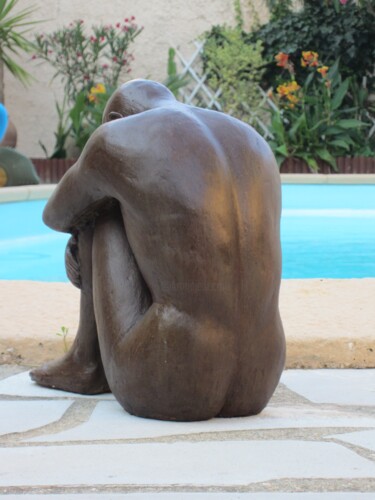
pixel 327 231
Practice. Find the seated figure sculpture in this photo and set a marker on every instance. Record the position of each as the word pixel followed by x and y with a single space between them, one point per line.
pixel 174 213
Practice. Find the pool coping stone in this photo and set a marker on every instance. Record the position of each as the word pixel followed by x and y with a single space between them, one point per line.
pixel 43 191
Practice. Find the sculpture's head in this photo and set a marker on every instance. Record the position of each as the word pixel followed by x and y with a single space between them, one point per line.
pixel 136 96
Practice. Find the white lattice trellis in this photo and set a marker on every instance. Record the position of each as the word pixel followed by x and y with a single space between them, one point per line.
pixel 196 92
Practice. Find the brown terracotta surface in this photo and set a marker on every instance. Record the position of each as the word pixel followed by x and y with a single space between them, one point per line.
pixel 175 216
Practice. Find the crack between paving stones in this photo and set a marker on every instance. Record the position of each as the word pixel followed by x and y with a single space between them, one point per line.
pixel 359 450
pixel 306 434
pixel 79 412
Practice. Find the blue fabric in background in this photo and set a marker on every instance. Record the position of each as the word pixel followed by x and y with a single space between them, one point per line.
pixel 3 121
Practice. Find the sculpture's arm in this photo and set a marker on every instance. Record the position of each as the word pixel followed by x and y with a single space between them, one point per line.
pixel 80 190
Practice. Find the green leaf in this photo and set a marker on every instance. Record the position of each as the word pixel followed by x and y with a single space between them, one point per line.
pixel 279 160
pixel 326 156
pixel 309 79
pixel 350 123
pixel 340 94
pixel 282 150
pixel 171 65
pixel 77 111
pixel 332 72
pixel 296 126
pixel 333 130
pixel 340 144
pixel 318 124
pixel 23 76
pixel 277 124
pixel 312 163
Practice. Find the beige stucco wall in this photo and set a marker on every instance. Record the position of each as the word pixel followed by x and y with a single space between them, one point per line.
pixel 166 23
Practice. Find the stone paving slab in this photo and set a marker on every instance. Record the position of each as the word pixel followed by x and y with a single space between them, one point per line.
pixel 306 445
pixel 21 385
pixel 366 439
pixel 221 463
pixel 21 416
pixel 109 422
pixel 333 386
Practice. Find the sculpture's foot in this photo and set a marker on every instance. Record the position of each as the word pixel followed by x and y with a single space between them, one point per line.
pixel 68 374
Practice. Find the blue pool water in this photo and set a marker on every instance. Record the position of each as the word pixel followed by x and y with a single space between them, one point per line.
pixel 327 231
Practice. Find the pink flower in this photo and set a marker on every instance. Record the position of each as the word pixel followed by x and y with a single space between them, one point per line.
pixel 343 2
pixel 118 25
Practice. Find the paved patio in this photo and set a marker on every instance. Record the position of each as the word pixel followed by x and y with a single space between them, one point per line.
pixel 315 440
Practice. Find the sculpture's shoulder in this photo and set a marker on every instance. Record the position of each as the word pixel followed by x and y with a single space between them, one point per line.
pixel 159 127
pixel 173 133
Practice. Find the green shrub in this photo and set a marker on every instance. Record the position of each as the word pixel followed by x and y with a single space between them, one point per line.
pixel 329 27
pixel 234 65
pixel 311 120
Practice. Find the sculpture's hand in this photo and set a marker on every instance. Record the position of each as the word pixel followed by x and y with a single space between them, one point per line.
pixel 72 261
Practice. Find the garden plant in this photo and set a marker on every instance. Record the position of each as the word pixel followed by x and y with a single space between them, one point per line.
pixel 310 121
pixel 90 66
pixel 322 108
pixel 233 65
pixel 13 27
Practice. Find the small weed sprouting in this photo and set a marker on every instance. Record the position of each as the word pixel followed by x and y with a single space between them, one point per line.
pixel 64 331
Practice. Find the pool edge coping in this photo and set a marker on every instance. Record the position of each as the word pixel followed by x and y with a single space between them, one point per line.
pixel 26 193
pixel 327 178
pixel 44 191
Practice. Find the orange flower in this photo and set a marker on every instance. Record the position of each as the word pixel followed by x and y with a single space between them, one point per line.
pixel 282 60
pixel 282 90
pixel 98 89
pixel 287 88
pixel 309 59
pixel 293 86
pixel 292 98
pixel 323 71
pixel 287 91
